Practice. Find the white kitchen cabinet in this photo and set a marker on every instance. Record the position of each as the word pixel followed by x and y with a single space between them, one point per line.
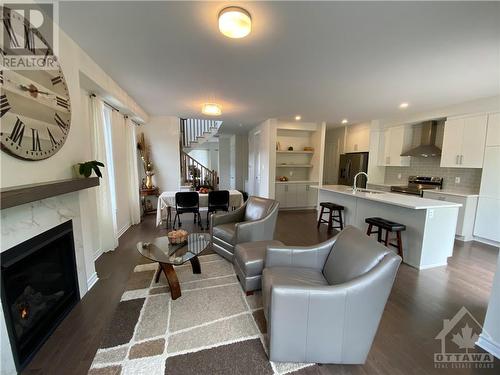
pixel 493 133
pixel 357 138
pixel 280 194
pixel 296 195
pixel 466 213
pixel 464 141
pixel 395 141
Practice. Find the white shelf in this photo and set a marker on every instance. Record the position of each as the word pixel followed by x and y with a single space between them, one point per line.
pixel 294 152
pixel 294 166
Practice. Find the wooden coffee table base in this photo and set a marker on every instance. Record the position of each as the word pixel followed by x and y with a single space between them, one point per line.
pixel 171 275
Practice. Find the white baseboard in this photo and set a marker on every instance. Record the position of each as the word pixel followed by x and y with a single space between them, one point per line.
pixel 487 242
pixel 489 345
pixel 92 280
pixel 123 230
pixel 97 254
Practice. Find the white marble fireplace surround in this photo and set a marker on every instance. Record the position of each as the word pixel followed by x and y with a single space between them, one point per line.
pixel 23 222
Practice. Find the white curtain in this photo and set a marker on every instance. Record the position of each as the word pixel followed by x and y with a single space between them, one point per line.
pixel 133 174
pixel 105 216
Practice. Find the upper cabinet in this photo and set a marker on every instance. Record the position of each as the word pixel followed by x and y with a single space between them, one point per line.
pixel 463 142
pixel 393 143
pixel 357 138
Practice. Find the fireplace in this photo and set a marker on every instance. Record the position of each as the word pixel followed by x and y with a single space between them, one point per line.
pixel 39 288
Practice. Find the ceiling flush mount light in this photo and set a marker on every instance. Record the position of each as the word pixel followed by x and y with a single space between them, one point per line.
pixel 235 22
pixel 345 121
pixel 298 118
pixel 211 109
pixel 403 105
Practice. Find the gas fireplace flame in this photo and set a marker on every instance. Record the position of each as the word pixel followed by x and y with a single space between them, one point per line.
pixel 24 312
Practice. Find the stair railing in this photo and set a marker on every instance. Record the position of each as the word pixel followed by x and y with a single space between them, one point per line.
pixel 195 173
pixel 192 129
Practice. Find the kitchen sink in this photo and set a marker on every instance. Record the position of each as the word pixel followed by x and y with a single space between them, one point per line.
pixel 366 191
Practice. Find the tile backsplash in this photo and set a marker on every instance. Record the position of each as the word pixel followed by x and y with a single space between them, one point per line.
pixel 470 178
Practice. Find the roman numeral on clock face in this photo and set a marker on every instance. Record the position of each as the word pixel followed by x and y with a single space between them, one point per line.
pixel 4 105
pixel 18 132
pixel 53 141
pixel 56 80
pixel 60 122
pixel 36 140
pixel 62 102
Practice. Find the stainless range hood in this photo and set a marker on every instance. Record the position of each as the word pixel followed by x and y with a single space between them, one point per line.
pixel 427 146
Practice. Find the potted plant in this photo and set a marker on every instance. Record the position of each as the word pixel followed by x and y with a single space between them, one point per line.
pixel 85 169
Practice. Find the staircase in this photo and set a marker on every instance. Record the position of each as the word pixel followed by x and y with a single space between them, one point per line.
pixel 195 132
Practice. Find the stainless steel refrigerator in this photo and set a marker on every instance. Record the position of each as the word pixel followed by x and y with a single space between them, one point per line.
pixel 350 164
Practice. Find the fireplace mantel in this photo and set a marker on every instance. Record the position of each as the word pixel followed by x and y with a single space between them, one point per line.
pixel 18 195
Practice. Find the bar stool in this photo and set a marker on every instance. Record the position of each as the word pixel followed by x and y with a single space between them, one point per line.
pixel 389 226
pixel 332 208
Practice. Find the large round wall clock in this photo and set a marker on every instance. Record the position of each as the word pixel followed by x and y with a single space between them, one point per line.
pixel 35 107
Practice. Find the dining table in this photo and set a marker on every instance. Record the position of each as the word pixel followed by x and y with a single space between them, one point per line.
pixel 166 201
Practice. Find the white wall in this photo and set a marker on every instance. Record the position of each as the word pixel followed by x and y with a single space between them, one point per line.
pixel 162 134
pixel 201 156
pixel 262 141
pixel 490 337
pixel 241 160
pixel 225 181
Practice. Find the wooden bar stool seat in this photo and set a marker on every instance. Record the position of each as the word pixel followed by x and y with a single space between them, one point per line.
pixel 381 224
pixel 334 215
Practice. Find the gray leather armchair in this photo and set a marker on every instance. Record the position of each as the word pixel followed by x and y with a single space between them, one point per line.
pixel 323 303
pixel 254 221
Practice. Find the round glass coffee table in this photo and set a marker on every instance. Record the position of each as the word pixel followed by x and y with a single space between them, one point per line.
pixel 168 255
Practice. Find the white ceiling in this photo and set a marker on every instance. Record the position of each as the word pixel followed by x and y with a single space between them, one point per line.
pixel 322 60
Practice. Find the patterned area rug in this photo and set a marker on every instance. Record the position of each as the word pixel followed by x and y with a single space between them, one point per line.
pixel 213 328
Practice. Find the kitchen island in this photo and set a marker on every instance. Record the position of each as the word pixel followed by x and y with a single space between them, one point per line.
pixel 430 224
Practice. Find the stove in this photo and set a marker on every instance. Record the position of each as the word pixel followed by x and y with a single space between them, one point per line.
pixel 417 185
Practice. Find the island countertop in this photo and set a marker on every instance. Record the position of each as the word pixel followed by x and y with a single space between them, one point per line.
pixel 406 201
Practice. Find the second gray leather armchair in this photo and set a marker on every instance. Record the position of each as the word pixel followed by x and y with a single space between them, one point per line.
pixel 323 303
pixel 254 221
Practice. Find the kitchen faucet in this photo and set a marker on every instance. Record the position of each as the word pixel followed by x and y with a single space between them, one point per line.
pixel 354 187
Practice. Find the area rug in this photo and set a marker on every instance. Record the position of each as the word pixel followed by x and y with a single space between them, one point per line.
pixel 213 328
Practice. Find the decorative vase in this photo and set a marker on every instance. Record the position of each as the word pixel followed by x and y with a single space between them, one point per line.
pixel 149 179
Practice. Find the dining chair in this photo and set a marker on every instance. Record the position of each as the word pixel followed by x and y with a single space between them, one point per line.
pixel 217 201
pixel 187 202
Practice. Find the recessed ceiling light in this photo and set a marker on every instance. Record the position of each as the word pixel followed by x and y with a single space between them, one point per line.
pixel 345 121
pixel 403 105
pixel 235 22
pixel 211 109
pixel 298 118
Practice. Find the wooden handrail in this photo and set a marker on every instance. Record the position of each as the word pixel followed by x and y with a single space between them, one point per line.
pixel 206 175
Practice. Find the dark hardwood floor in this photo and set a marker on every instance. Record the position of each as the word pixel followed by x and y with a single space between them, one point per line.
pixel 404 344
